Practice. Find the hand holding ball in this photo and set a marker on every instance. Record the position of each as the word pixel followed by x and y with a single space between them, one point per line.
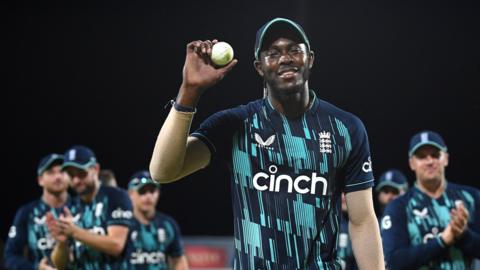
pixel 222 54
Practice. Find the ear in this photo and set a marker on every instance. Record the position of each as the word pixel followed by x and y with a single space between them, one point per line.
pixel 411 163
pixel 446 158
pixel 311 58
pixel 40 180
pixel 258 67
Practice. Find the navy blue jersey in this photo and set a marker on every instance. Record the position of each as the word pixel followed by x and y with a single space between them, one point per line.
pixel 412 224
pixel 150 245
pixel 287 179
pixel 111 206
pixel 345 249
pixel 29 229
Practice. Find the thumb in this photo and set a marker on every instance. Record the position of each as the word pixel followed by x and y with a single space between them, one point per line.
pixel 67 212
pixel 228 67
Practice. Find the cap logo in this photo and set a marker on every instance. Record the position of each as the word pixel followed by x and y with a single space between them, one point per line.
pixel 72 154
pixel 389 176
pixel 424 137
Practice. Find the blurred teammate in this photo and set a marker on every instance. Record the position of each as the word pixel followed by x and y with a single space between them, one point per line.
pixel 29 228
pixel 392 183
pixel 436 224
pixel 100 223
pixel 291 154
pixel 107 178
pixel 155 239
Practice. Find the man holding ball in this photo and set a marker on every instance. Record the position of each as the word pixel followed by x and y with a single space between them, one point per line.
pixel 291 155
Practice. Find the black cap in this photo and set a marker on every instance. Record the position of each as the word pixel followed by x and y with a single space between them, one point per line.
pixel 282 25
pixel 48 161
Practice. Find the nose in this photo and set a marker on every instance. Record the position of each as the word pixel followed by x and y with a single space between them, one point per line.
pixel 285 58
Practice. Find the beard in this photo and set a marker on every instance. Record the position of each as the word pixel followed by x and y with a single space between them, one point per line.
pixel 89 189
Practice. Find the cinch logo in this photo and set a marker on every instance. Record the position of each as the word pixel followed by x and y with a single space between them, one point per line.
pixel 119 213
pixel 139 257
pixel 45 243
pixel 275 181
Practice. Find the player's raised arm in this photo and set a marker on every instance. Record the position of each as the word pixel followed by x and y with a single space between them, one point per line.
pixel 176 154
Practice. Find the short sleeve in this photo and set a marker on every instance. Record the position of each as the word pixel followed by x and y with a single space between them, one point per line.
pixel 120 211
pixel 175 249
pixel 217 130
pixel 358 169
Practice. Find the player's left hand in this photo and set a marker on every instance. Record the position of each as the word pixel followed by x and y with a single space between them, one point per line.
pixel 459 220
pixel 43 265
pixel 65 222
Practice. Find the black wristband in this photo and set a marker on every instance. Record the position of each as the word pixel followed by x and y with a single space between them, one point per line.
pixel 181 108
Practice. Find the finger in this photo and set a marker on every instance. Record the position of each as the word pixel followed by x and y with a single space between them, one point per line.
pixel 226 69
pixel 67 212
pixel 192 46
pixel 209 47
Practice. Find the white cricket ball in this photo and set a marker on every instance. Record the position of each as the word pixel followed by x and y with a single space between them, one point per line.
pixel 222 53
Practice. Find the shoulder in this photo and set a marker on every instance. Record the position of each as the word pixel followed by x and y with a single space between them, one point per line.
pixel 112 191
pixel 401 202
pixel 347 118
pixel 161 217
pixel 27 208
pixel 472 191
pixel 238 113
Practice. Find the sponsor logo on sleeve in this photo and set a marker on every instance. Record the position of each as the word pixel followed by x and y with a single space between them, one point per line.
pixel 12 232
pixel 367 165
pixel 120 213
pixel 386 222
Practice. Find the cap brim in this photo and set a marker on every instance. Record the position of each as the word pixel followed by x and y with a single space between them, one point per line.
pixel 389 184
pixel 77 165
pixel 137 187
pixel 420 144
pixel 49 163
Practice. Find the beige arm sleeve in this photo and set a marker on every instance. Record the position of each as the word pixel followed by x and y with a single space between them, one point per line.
pixel 176 154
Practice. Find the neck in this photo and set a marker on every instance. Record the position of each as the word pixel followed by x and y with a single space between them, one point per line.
pixel 292 104
pixel 143 216
pixel 54 200
pixel 89 197
pixel 434 189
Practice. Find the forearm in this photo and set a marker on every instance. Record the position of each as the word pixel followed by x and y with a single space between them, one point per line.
pixel 367 234
pixel 179 263
pixel 59 255
pixel 103 243
pixel 169 152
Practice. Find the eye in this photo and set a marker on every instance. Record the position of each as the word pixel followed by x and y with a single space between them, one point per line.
pixel 296 50
pixel 272 54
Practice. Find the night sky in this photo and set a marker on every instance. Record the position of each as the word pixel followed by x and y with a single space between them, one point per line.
pixel 100 73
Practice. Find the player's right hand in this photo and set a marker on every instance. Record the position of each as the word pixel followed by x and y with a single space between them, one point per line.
pixel 199 73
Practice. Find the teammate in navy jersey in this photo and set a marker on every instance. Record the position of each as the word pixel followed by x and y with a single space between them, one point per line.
pixel 436 224
pixel 29 228
pixel 291 155
pixel 155 239
pixel 94 233
pixel 391 184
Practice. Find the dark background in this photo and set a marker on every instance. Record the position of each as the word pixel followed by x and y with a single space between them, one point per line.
pixel 99 74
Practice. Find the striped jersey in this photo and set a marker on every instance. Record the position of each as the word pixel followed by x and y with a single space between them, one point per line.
pixel 411 226
pixel 287 176
pixel 29 229
pixel 111 206
pixel 151 245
